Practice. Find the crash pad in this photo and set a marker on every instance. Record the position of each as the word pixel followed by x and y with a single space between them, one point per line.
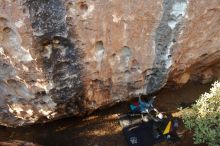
pixel 168 128
pixel 138 133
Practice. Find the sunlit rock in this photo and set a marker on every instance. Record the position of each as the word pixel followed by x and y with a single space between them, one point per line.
pixel 64 58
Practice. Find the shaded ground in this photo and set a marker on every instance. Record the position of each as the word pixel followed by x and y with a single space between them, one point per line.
pixel 102 127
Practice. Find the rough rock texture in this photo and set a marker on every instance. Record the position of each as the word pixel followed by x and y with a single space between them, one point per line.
pixel 17 143
pixel 69 57
pixel 197 51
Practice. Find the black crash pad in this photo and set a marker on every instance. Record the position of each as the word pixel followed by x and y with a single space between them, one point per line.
pixel 138 133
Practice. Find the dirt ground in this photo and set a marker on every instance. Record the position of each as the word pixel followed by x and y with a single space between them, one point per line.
pixel 102 128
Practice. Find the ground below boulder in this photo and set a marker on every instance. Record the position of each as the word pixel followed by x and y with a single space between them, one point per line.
pixel 102 128
pixel 63 58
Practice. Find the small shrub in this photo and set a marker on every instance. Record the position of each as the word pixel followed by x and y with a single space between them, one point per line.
pixel 204 117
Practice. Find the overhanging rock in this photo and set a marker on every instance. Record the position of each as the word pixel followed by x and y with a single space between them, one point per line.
pixel 63 58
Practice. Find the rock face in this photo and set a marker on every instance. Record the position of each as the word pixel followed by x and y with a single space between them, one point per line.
pixel 63 58
pixel 17 143
pixel 197 50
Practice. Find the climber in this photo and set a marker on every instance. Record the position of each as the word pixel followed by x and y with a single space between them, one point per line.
pixel 146 110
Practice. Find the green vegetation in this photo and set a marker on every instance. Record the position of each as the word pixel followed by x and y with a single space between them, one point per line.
pixel 204 117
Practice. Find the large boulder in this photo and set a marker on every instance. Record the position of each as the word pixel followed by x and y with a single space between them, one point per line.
pixel 62 58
